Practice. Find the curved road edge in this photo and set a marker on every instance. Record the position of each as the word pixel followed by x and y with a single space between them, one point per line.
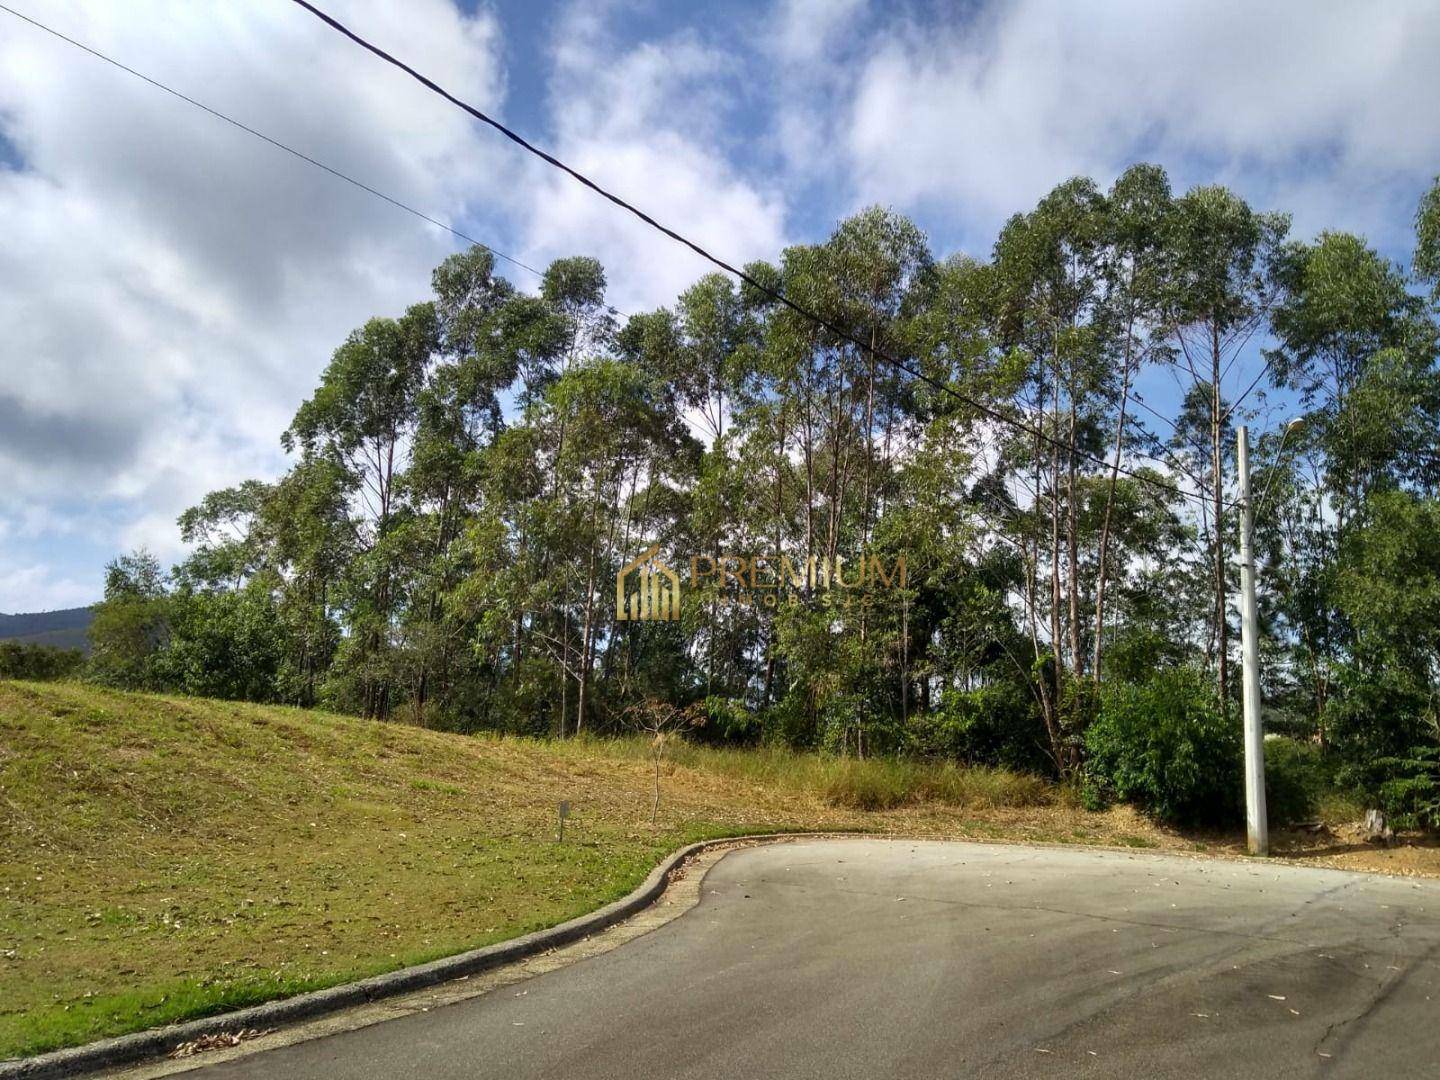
pixel 155 1044
pixel 158 1042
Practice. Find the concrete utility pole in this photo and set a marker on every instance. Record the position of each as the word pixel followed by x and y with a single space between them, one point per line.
pixel 1257 829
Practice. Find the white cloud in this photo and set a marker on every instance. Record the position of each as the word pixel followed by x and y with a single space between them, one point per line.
pixel 808 30
pixel 171 286
pixel 646 121
pixel 1330 102
pixel 36 587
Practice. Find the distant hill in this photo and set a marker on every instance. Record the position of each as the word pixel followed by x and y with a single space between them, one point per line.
pixel 62 629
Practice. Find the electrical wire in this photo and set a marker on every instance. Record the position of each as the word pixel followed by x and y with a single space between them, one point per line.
pixel 1254 383
pixel 272 141
pixel 748 279
pixel 776 295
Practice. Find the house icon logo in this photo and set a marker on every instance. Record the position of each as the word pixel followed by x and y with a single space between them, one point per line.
pixel 656 595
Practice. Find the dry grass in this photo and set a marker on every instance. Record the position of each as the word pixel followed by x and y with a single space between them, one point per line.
pixel 167 857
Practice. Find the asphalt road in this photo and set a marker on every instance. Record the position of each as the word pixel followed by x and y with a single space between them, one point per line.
pixel 867 959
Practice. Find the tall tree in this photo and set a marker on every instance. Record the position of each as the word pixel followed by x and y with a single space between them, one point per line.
pixel 1219 286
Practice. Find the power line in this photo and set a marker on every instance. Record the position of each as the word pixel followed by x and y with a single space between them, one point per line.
pixel 273 142
pixel 774 294
pixel 1135 397
pixel 1168 459
pixel 1254 383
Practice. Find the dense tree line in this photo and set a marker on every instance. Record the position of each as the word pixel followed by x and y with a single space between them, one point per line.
pixel 468 478
pixel 28 660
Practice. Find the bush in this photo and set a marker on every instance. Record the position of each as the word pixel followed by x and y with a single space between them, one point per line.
pixel 1164 746
pixel 25 660
pixel 221 645
pixel 1410 791
pixel 1138 652
pixel 1378 712
pixel 995 725
pixel 1296 778
pixel 788 722
pixel 731 720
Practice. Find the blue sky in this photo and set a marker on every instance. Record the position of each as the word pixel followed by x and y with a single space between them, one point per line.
pixel 172 288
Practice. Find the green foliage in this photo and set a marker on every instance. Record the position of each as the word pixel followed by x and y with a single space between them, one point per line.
pixel 1409 787
pixel 1165 746
pixel 1138 651
pixel 730 720
pixel 1427 241
pixel 25 660
pixel 467 480
pixel 132 623
pixel 1375 714
pixel 1297 778
pixel 996 725
pixel 223 645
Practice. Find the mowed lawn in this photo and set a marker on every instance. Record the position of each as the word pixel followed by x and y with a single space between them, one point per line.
pixel 165 858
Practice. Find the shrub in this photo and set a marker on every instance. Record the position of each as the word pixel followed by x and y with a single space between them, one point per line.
pixel 1410 791
pixel 1378 712
pixel 1164 746
pixel 788 722
pixel 994 725
pixel 1296 778
pixel 730 719
pixel 1137 652
pixel 24 660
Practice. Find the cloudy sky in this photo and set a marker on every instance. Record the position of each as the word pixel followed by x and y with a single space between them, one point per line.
pixel 170 287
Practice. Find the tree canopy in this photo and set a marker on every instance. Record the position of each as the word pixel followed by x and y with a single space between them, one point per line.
pixel 469 477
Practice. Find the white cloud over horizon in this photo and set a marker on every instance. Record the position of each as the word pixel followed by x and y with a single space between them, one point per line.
pixel 645 120
pixel 172 287
pixel 1324 109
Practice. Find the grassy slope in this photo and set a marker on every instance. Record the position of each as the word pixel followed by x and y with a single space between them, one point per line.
pixel 161 858
pixel 164 857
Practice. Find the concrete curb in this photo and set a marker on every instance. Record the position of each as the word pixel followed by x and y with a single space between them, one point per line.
pixel 157 1042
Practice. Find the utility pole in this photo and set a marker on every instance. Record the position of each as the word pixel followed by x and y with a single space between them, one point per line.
pixel 1257 829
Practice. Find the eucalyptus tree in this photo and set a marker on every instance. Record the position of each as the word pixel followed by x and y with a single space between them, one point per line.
pixel 361 419
pixel 1219 285
pixel 1358 348
pixel 604 420
pixel 226 533
pixel 1347 322
pixel 1050 269
pixel 829 413
pixel 1137 208
pixel 1427 241
pixel 704 354
pixel 457 413
pixel 312 540
pixel 469 478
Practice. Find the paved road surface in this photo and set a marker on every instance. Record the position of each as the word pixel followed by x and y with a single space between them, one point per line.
pixel 868 959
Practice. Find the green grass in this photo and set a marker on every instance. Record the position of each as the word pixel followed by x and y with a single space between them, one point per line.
pixel 167 858
pixel 868 784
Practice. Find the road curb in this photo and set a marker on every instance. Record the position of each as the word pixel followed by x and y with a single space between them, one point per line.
pixel 158 1042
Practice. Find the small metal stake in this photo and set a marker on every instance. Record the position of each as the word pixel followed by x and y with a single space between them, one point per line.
pixel 564 813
